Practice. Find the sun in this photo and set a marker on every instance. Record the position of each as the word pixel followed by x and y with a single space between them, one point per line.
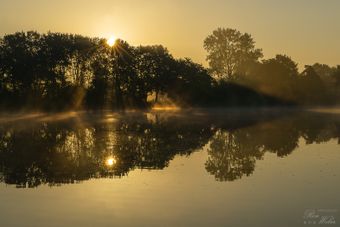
pixel 111 41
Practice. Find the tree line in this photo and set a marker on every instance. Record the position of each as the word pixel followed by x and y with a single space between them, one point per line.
pixel 57 71
pixel 234 58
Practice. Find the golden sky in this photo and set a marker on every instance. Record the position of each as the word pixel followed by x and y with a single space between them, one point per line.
pixel 306 30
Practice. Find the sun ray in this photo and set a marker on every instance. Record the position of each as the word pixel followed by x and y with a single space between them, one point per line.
pixel 111 41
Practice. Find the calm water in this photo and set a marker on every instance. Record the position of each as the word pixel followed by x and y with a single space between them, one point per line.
pixel 230 168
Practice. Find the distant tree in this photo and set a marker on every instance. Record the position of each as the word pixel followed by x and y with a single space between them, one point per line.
pixel 323 70
pixel 229 51
pixel 313 90
pixel 124 73
pixel 326 74
pixel 3 76
pixel 276 77
pixel 288 65
pixel 330 77
pixel 192 84
pixel 55 55
pixel 82 51
pixel 155 65
pixel 57 72
pixel 21 65
pixel 336 75
pixel 100 92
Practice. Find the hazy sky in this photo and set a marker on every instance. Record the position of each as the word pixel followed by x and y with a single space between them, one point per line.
pixel 306 30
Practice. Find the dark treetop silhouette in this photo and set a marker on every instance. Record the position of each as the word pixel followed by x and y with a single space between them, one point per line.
pixel 58 72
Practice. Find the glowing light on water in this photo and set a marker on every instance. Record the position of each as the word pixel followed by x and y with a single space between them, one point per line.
pixel 110 161
pixel 165 108
pixel 326 110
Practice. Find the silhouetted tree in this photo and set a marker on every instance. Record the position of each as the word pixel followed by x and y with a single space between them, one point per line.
pixel 192 84
pixel 336 76
pixel 100 92
pixel 324 71
pixel 124 73
pixel 229 51
pixel 276 77
pixel 57 72
pixel 20 67
pixel 313 90
pixel 155 65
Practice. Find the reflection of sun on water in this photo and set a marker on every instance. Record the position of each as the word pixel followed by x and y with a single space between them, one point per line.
pixel 110 161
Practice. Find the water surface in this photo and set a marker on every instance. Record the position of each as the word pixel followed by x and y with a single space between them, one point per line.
pixel 222 168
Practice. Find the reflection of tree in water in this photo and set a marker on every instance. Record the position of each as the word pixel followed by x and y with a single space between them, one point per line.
pixel 317 128
pixel 230 157
pixel 46 154
pixel 233 154
pixel 56 153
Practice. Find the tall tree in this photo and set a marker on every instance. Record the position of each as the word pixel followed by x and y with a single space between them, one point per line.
pixel 277 77
pixel 20 65
pixel 336 75
pixel 100 92
pixel 124 72
pixel 312 88
pixel 192 84
pixel 156 66
pixel 229 51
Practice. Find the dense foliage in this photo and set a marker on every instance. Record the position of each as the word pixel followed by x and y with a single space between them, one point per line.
pixel 58 72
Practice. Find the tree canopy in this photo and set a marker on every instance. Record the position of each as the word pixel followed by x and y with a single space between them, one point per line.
pixel 56 72
pixel 229 51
